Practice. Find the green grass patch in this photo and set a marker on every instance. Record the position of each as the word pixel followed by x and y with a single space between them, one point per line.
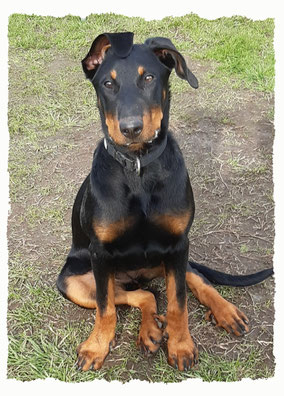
pixel 47 101
pixel 242 47
pixel 50 354
pixel 54 215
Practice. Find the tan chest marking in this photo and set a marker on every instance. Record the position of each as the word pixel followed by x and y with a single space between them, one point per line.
pixel 174 223
pixel 108 232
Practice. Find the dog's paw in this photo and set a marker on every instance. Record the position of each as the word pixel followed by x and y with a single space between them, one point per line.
pixel 92 355
pixel 182 353
pixel 151 334
pixel 230 318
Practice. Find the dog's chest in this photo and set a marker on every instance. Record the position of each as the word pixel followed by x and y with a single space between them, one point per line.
pixel 145 223
pixel 143 215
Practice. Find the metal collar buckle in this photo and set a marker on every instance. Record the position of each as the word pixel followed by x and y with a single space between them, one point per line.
pixel 105 143
pixel 138 166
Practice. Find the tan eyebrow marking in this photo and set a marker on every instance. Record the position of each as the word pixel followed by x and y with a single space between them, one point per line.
pixel 141 70
pixel 113 74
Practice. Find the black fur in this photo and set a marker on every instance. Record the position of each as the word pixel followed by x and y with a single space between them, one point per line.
pixel 221 278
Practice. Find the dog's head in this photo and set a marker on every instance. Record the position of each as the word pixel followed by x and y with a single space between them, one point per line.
pixel 131 82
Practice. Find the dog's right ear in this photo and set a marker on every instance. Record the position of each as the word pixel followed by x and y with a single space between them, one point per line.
pixel 167 53
pixel 121 44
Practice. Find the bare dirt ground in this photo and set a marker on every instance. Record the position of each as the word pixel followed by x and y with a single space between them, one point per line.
pixel 226 136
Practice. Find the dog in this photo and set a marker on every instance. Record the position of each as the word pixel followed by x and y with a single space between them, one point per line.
pixel 133 212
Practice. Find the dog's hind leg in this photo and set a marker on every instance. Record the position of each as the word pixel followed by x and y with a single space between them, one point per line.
pixel 150 334
pixel 224 313
pixel 76 280
pixel 81 289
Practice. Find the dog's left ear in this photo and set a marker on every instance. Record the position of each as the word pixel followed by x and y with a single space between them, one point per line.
pixel 170 57
pixel 120 43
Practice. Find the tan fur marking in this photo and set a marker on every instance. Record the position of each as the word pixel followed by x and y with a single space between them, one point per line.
pixel 109 232
pixel 205 293
pixel 180 345
pixel 81 289
pixel 136 146
pixel 174 223
pixel 113 74
pixel 151 122
pixel 95 349
pixel 226 315
pixel 173 306
pixel 200 289
pixel 141 70
pixel 150 335
pixel 114 130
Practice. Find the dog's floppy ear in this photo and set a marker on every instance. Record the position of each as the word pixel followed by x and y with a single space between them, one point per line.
pixel 121 44
pixel 170 57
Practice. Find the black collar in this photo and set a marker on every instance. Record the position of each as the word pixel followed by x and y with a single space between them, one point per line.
pixel 135 164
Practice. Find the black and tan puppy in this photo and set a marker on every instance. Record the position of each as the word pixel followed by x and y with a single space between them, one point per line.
pixel 133 212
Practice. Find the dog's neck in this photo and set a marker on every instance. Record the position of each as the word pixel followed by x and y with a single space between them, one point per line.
pixel 135 163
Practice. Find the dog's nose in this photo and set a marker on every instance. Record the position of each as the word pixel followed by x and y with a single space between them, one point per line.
pixel 131 127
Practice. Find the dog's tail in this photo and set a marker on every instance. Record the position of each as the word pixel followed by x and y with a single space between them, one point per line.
pixel 221 278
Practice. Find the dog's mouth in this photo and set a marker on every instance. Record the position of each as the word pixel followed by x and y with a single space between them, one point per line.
pixel 138 136
pixel 140 141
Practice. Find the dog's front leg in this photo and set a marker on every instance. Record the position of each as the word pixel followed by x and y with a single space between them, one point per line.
pixel 182 353
pixel 93 351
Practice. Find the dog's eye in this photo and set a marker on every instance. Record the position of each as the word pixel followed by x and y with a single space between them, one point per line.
pixel 108 84
pixel 149 78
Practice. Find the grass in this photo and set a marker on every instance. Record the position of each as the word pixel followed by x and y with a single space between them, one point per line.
pixel 243 48
pixel 50 352
pixel 54 126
